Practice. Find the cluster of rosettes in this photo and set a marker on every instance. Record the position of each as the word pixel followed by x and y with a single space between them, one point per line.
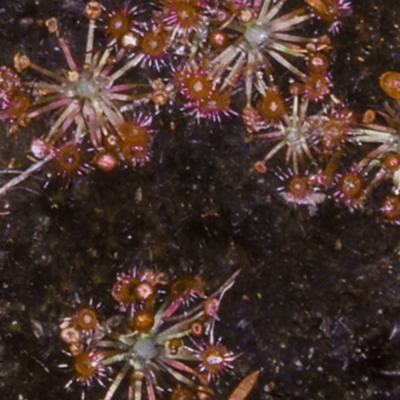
pixel 239 45
pixel 161 333
pixel 199 53
pixel 315 143
pixel 382 163
pixel 99 117
pixel 202 55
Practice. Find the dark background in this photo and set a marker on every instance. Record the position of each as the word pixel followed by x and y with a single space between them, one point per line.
pixel 317 299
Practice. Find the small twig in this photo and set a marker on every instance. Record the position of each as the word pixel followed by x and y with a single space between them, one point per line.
pixel 24 175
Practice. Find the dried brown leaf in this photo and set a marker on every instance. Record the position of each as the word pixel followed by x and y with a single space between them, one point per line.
pixel 245 386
